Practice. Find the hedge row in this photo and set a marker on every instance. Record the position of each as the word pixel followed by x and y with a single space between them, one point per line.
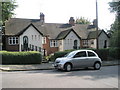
pixel 114 53
pixel 31 57
pixel 104 54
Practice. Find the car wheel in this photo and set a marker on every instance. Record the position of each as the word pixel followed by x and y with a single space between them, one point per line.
pixel 97 66
pixel 68 67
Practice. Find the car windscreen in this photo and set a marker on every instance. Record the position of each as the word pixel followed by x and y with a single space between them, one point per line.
pixel 71 54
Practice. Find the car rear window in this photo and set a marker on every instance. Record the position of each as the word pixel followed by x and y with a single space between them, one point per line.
pixel 91 54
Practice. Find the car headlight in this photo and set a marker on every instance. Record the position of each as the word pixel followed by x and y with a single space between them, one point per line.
pixel 60 61
pixel 57 61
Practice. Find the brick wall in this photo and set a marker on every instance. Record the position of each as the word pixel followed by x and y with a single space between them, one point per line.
pixel 48 48
pixel 11 47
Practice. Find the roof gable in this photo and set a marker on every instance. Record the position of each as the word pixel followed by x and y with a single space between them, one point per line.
pixel 64 34
pixel 21 32
pixel 105 33
pixel 92 34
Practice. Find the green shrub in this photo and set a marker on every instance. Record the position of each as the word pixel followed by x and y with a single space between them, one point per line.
pixel 102 53
pixel 109 53
pixel 51 58
pixel 114 53
pixel 31 57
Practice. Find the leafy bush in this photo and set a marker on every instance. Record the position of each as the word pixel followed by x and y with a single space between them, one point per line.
pixel 31 57
pixel 102 53
pixel 114 53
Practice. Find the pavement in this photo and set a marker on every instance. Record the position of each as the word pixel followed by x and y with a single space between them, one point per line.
pixel 44 66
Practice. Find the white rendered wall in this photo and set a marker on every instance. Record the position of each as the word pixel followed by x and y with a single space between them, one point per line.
pixel 60 45
pixel 94 43
pixel 102 39
pixel 68 42
pixel 31 31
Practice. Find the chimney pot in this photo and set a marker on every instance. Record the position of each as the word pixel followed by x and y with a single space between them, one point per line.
pixel 42 19
pixel 72 21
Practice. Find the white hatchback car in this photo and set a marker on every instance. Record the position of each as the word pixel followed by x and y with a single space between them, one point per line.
pixel 78 59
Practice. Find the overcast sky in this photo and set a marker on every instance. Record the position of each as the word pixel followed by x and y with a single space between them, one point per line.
pixel 59 11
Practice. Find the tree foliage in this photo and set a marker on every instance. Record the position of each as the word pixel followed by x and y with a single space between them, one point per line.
pixel 115 27
pixel 7 10
pixel 82 20
pixel 115 40
pixel 114 6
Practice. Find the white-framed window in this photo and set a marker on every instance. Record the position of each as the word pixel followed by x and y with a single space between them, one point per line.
pixel 44 40
pixel 85 42
pixel 38 37
pixel 71 41
pixel 53 43
pixel 32 37
pixel 13 40
pixel 35 37
pixel 68 41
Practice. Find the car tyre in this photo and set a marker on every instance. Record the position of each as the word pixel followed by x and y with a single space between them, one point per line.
pixel 97 66
pixel 68 67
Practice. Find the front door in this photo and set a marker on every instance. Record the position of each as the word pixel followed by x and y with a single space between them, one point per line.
pixel 75 44
pixel 105 44
pixel 25 43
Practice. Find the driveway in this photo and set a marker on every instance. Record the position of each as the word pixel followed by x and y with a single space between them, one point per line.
pixel 106 77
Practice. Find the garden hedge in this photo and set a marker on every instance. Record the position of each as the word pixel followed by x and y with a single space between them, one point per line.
pixel 114 53
pixel 30 57
pixel 102 53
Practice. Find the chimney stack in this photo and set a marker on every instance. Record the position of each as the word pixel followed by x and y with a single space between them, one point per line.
pixel 42 19
pixel 72 21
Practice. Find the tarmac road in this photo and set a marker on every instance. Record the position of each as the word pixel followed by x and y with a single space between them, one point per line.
pixel 106 77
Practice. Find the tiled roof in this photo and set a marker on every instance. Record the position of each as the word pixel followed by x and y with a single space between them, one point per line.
pixel 91 26
pixel 15 25
pixel 63 34
pixel 93 34
pixel 65 26
pixel 81 30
